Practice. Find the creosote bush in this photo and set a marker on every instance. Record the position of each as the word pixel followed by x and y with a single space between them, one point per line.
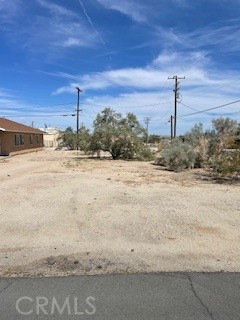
pixel 177 156
pixel 216 149
pixel 144 154
pixel 226 162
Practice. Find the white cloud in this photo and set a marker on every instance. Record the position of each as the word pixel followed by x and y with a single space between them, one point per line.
pixel 224 38
pixel 63 29
pixel 9 12
pixel 151 77
pixel 55 33
pixel 16 109
pixel 168 59
pixel 148 92
pixel 73 42
pixel 50 33
pixel 131 8
pixel 5 93
pixel 56 9
pixel 181 3
pixel 159 106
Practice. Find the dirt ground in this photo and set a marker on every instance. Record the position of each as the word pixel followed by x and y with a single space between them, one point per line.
pixel 61 213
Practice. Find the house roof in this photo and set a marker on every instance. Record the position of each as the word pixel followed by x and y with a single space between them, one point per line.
pixel 12 126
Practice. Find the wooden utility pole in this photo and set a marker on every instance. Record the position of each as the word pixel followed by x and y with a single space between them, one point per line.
pixel 78 104
pixel 146 121
pixel 176 96
pixel 171 120
pixel 78 110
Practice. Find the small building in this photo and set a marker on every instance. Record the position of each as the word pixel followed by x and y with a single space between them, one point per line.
pixel 51 137
pixel 16 137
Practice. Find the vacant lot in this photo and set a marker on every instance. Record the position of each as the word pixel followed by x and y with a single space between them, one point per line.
pixel 61 213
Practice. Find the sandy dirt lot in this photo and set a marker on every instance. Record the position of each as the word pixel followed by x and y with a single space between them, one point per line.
pixel 63 214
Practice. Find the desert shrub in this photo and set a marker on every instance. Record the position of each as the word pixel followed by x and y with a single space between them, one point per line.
pixel 225 126
pixel 83 139
pixel 226 162
pixel 162 144
pixel 144 154
pixel 200 144
pixel 68 139
pixel 177 156
pixel 202 153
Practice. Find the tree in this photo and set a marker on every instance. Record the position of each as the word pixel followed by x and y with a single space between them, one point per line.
pixel 195 134
pixel 72 140
pixel 68 138
pixel 226 131
pixel 225 126
pixel 121 136
pixel 83 139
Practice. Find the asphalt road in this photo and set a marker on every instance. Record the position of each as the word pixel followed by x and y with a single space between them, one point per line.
pixel 164 296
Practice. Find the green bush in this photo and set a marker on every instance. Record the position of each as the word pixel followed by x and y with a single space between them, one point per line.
pixel 200 143
pixel 226 162
pixel 177 156
pixel 144 154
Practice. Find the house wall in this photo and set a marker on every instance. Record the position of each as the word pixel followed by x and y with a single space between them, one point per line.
pixel 8 142
pixel 51 140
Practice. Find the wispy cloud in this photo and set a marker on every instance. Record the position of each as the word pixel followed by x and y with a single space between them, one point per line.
pixel 59 74
pixel 214 37
pixel 5 93
pixel 51 31
pixel 181 3
pixel 65 28
pixel 18 109
pixel 150 88
pixel 56 9
pixel 160 106
pixel 148 77
pixel 9 10
pixel 133 9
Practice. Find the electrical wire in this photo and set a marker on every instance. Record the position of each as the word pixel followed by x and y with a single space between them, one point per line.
pixel 137 106
pixel 209 109
pixel 38 116
pixel 197 110
pixel 213 90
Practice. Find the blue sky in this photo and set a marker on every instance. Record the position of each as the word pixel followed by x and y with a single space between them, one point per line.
pixel 120 53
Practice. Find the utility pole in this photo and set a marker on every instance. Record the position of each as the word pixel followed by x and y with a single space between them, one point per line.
pixel 78 110
pixel 176 96
pixel 78 104
pixel 171 120
pixel 146 121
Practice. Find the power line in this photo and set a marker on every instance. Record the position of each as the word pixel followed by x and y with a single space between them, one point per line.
pixel 54 105
pixel 209 109
pixel 188 106
pixel 136 106
pixel 38 116
pixel 192 108
pixel 222 86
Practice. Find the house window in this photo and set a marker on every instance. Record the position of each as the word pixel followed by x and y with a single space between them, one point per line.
pixel 31 138
pixel 19 140
pixel 37 139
